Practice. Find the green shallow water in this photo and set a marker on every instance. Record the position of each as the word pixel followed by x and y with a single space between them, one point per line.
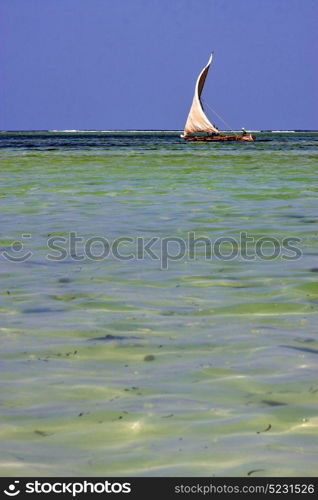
pixel 124 367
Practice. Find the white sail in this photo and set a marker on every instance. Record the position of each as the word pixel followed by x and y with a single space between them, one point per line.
pixel 197 120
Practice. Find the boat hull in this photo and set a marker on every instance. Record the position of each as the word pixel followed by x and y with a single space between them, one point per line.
pixel 220 138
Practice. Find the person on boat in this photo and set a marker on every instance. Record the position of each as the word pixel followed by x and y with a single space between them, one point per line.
pixel 243 131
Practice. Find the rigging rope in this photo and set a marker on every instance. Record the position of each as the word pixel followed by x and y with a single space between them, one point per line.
pixel 220 117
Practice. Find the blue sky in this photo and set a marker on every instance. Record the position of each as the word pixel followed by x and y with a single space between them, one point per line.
pixel 132 64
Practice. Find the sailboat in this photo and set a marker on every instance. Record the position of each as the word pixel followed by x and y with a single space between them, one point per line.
pixel 198 127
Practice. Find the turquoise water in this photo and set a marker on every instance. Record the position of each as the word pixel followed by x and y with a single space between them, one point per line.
pixel 203 366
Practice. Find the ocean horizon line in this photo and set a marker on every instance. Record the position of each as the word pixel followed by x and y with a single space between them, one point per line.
pixel 149 130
